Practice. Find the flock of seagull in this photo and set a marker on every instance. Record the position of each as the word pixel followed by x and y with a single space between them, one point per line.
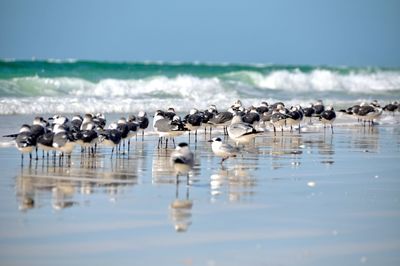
pixel 242 125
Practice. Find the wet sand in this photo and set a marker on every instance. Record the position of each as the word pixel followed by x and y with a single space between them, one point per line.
pixel 299 199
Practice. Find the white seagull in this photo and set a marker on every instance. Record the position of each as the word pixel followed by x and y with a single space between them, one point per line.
pixel 241 133
pixel 223 150
pixel 182 160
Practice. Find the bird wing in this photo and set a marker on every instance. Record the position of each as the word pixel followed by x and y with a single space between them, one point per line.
pixel 229 148
pixel 240 129
pixel 184 158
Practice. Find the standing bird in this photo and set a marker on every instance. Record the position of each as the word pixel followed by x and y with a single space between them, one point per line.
pixel 294 117
pixel 391 107
pixel 278 118
pixel 25 141
pixel 222 119
pixel 309 111
pixel 328 116
pixel 182 160
pixel 143 121
pixel 223 150
pixel 63 140
pixel 133 128
pixel 193 121
pixel 110 137
pixel 241 133
pixel 252 116
pixel 319 107
pixel 76 123
pixel 45 142
pixel 369 112
pixel 262 108
pixel 87 137
pixel 207 115
pixel 38 129
pixel 123 127
pixel 167 128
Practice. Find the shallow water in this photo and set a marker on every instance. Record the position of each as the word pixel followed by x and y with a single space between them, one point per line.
pixel 299 199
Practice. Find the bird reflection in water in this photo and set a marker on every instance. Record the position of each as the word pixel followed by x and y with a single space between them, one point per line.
pixel 237 183
pixel 180 210
pixel 322 145
pixel 162 171
pixel 285 150
pixel 365 139
pixel 59 186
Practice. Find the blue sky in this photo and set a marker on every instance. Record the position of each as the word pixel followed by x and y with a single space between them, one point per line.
pixel 317 32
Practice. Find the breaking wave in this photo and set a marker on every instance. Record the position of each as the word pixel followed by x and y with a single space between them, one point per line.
pixel 66 87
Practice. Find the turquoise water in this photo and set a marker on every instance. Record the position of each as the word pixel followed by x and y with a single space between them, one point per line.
pixel 89 86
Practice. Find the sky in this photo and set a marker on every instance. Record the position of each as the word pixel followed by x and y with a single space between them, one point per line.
pixel 307 32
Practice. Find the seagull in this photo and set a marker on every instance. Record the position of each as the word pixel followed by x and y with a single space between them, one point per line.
pixel 221 119
pixel 193 121
pixel 223 150
pixel 328 116
pixel 38 128
pixel 167 128
pixel 369 112
pixel 262 108
pixel 25 141
pixel 170 113
pixel 143 121
pixel 352 111
pixel 294 117
pixel 63 140
pixel 45 142
pixel 111 137
pixel 88 137
pixel 251 117
pixel 278 118
pixel 391 107
pixel 123 127
pixel 319 107
pixel 87 120
pixel 241 133
pixel 60 120
pixel 76 123
pixel 133 126
pixel 182 160
pixel 309 111
pixel 100 120
pixel 209 114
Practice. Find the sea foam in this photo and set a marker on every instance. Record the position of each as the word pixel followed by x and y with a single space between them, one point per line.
pixel 59 87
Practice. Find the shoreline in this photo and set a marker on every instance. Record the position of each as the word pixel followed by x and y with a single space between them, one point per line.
pixel 296 199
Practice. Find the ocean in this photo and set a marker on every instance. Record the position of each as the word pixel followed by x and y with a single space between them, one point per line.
pixel 309 198
pixel 72 86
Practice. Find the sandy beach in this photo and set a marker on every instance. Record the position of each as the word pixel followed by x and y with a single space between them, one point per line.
pixel 313 198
